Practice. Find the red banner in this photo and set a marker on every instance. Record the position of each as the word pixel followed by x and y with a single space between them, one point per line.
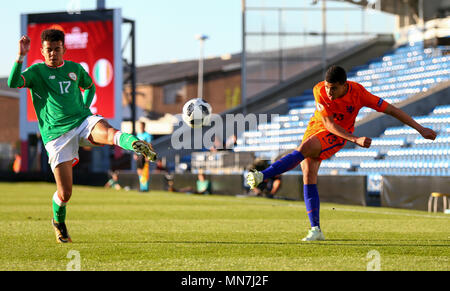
pixel 90 43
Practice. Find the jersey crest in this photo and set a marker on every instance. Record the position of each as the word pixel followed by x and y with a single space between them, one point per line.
pixel 73 76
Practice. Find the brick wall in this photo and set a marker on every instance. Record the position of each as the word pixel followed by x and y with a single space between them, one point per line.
pixel 9 120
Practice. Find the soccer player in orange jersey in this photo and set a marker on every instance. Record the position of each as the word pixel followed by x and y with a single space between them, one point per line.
pixel 338 102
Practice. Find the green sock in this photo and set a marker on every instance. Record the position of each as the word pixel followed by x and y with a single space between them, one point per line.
pixel 126 140
pixel 59 209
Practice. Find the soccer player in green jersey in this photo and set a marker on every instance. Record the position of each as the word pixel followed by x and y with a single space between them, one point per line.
pixel 65 120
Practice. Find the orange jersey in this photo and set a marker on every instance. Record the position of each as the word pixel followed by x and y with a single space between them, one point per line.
pixel 344 109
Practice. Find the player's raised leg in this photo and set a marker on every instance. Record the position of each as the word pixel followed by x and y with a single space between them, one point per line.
pixel 310 169
pixel 63 177
pixel 309 148
pixel 104 133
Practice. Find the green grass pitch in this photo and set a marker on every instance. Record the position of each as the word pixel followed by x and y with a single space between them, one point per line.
pixel 119 230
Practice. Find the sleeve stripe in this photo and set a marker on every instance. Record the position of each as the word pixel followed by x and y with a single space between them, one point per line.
pixel 24 82
pixel 380 102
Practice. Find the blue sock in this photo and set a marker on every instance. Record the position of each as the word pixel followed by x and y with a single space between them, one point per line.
pixel 312 203
pixel 284 164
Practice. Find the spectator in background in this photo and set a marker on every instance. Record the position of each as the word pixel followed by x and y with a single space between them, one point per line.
pixel 17 163
pixel 257 164
pixel 203 186
pixel 141 133
pixel 168 179
pixel 114 181
pixel 160 168
pixel 141 164
pixel 269 187
pixel 260 164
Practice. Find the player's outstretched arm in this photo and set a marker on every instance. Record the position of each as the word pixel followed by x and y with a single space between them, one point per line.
pixel 336 129
pixel 427 133
pixel 15 79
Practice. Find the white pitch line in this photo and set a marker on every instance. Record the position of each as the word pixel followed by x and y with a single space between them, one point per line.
pixel 335 208
pixel 391 213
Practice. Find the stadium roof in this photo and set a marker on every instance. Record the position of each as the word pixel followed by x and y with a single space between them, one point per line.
pixel 166 72
pixel 431 8
pixel 169 72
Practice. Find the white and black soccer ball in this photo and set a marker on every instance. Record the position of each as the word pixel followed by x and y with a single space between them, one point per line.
pixel 197 113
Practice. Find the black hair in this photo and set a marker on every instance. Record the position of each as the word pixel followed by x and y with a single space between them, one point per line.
pixel 52 35
pixel 336 74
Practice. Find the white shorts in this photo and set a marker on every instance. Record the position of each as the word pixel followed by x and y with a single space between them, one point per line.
pixel 65 148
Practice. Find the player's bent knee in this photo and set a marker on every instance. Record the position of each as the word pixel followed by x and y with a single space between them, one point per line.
pixel 310 148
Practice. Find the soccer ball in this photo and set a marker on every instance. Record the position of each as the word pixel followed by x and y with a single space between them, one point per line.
pixel 197 113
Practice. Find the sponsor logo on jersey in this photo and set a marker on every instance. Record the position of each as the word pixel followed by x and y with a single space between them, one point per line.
pixel 73 76
pixel 52 77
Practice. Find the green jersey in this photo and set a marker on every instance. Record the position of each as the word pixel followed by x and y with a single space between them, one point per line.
pixel 58 102
pixel 204 187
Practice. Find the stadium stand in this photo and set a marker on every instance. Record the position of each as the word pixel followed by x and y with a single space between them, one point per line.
pixel 395 77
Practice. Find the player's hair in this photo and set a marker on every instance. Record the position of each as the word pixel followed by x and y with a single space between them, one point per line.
pixel 52 35
pixel 336 74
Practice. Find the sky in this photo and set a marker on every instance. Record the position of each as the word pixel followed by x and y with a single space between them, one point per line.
pixel 166 29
